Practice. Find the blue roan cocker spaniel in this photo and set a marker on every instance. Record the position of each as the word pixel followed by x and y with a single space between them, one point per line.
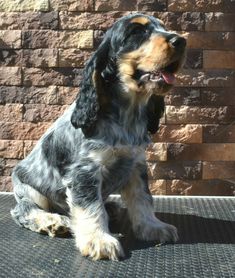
pixel 97 146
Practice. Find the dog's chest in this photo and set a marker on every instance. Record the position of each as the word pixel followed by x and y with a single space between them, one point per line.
pixel 117 165
pixel 110 155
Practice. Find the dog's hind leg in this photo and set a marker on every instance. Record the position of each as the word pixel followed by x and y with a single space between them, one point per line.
pixel 29 215
pixel 32 211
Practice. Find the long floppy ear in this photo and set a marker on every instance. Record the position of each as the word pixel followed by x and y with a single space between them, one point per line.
pixel 87 104
pixel 155 110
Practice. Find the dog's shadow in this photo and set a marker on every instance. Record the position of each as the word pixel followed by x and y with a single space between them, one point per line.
pixel 192 229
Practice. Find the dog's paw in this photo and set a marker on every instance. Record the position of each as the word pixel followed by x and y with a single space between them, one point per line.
pixel 100 246
pixel 54 225
pixel 156 230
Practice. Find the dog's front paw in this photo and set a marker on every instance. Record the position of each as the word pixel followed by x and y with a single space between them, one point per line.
pixel 100 246
pixel 155 229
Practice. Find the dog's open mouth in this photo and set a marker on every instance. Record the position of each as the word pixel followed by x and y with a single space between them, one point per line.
pixel 163 75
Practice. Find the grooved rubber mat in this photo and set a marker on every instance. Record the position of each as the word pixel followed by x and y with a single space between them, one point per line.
pixel 206 247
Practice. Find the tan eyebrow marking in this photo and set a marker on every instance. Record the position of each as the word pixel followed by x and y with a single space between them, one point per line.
pixel 141 20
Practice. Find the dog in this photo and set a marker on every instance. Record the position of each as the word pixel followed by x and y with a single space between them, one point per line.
pixel 97 146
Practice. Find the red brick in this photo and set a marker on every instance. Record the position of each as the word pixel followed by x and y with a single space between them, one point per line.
pixel 14 94
pixel 71 5
pixel 57 39
pixel 40 39
pixel 10 39
pixel 229 6
pixel 6 184
pixel 151 5
pixel 219 133
pixel 10 76
pixel 73 57
pixel 10 57
pixel 211 40
pixel 11 94
pixel 40 58
pixel 28 146
pixel 179 133
pixel 11 149
pixel 218 59
pixel 200 187
pixel 67 95
pixel 157 187
pixel 98 21
pixel 22 131
pixel 51 76
pixel 28 20
pixel 11 112
pixel 211 78
pixel 220 21
pixel 219 170
pixel 178 21
pixel 205 152
pixel 115 5
pixel 193 59
pixel 24 6
pixel 43 113
pixel 196 5
pixel 157 152
pixel 184 96
pixel 131 5
pixel 38 95
pixel 201 115
pixel 9 165
pixel 217 96
pixel 191 170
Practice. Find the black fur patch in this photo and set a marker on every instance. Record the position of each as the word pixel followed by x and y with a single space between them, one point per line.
pixel 85 183
pixel 56 153
pixel 155 110
pixel 116 175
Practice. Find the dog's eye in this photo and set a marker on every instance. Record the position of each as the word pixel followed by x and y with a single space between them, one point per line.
pixel 136 30
pixel 139 30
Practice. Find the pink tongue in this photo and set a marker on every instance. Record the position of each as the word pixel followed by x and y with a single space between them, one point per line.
pixel 168 77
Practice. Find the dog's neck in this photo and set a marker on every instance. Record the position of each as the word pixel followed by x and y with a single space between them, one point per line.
pixel 121 119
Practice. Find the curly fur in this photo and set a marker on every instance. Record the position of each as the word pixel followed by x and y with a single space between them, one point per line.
pixel 97 146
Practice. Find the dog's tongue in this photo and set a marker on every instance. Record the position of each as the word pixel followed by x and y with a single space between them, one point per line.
pixel 168 77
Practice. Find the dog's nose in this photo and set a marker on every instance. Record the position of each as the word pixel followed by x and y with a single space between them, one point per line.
pixel 177 42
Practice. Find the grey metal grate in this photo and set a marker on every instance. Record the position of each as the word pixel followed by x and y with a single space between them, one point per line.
pixel 206 247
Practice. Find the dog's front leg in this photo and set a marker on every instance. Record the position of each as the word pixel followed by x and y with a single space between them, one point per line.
pixel 88 216
pixel 140 208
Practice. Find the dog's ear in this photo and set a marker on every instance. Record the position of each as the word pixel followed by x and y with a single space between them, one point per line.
pixel 87 104
pixel 155 110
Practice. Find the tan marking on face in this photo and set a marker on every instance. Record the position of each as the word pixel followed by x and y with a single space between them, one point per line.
pixel 141 20
pixel 127 69
pixel 155 53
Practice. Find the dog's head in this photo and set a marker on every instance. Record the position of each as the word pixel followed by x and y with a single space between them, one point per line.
pixel 138 53
pixel 149 55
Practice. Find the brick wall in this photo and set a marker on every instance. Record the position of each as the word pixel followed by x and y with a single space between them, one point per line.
pixel 43 46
